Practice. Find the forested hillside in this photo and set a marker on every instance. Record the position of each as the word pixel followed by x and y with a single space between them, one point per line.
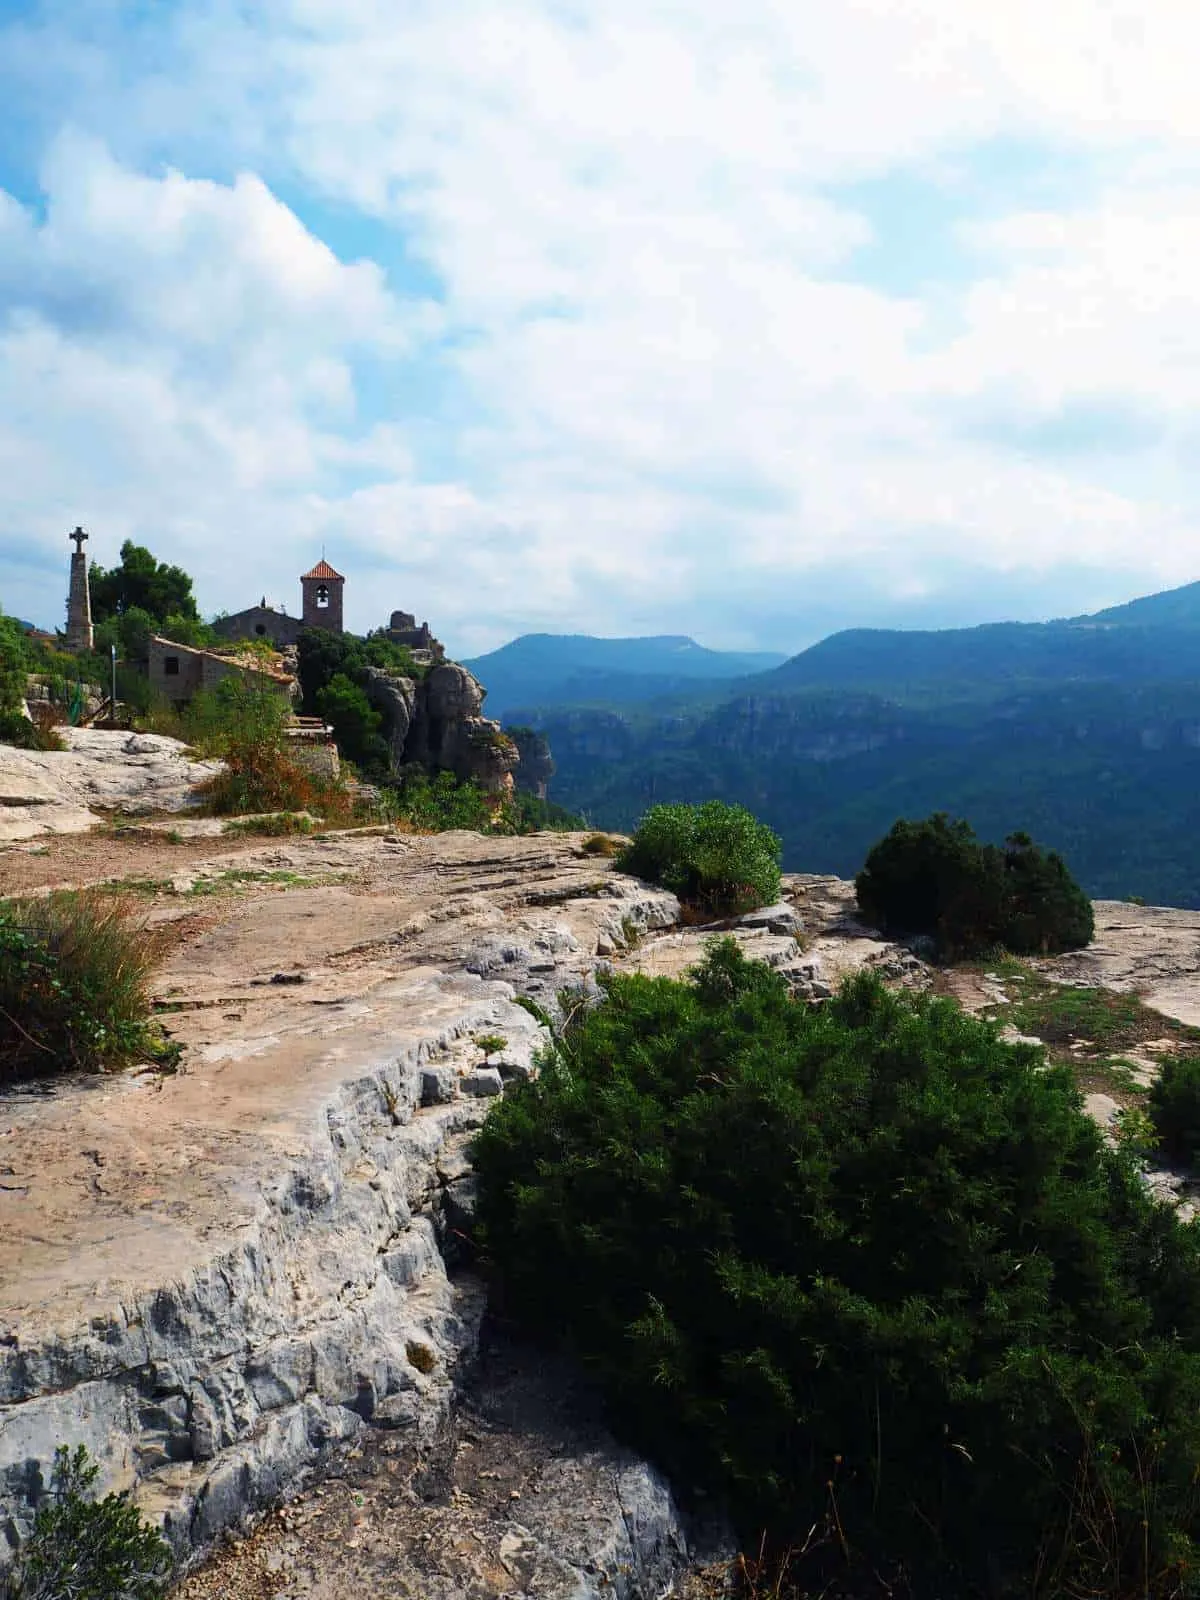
pixel 1087 733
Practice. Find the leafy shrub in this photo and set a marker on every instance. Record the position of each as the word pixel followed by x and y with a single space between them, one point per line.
pixel 74 977
pixel 259 776
pixel 85 1549
pixel 238 714
pixel 936 878
pixel 717 857
pixel 1174 1107
pixel 861 1263
pixel 435 803
pixel 244 722
pixel 36 734
pixel 14 665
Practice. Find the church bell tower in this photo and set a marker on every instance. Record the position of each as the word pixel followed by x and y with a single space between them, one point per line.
pixel 322 591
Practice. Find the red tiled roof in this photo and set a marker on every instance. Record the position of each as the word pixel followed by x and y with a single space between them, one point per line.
pixel 323 570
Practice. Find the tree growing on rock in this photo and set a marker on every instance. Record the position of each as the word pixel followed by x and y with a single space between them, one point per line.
pixel 869 1274
pixel 937 879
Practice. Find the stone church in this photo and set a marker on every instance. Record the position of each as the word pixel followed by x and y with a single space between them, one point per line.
pixel 321 597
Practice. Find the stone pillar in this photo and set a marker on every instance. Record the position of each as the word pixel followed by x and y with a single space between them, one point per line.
pixel 80 635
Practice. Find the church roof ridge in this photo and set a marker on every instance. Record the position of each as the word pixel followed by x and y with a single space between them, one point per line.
pixel 322 570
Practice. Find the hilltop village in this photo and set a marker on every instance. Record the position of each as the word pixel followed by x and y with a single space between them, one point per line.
pixel 429 710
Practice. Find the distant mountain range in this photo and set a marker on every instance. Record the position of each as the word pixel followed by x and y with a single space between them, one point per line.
pixel 558 669
pixel 1085 731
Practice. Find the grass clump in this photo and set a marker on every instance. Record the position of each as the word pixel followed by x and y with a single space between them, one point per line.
pixel 717 858
pixel 936 878
pixel 275 825
pixel 601 844
pixel 87 1549
pixel 862 1269
pixel 1087 1025
pixel 74 985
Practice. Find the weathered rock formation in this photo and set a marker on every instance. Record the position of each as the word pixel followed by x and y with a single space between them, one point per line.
pixel 50 791
pixel 212 1280
pixel 438 722
pixel 537 764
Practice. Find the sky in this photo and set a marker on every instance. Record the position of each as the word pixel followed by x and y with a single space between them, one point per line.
pixel 747 320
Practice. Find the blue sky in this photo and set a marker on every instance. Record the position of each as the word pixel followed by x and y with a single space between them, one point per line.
pixel 751 321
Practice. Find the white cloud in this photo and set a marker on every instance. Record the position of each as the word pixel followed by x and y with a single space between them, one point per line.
pixel 657 360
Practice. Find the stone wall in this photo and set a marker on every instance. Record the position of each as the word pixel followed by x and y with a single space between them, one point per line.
pixel 178 672
pixel 260 622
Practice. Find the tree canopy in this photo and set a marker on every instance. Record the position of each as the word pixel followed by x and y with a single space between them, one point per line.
pixel 936 878
pixel 144 583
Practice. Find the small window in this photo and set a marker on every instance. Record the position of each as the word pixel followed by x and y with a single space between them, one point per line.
pixel 171 666
pixel 260 627
pixel 323 594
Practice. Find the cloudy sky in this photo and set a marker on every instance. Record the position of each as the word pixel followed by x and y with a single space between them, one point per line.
pixel 749 319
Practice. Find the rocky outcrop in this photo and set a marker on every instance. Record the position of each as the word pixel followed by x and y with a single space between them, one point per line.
pixel 437 722
pixel 537 764
pixel 53 791
pixel 395 698
pixel 521 1492
pixel 215 1280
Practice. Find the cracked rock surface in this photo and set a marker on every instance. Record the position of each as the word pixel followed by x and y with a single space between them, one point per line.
pixel 521 1492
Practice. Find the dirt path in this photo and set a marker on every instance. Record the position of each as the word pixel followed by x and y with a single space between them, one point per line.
pixel 71 861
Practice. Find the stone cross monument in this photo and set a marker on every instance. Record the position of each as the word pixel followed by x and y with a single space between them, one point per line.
pixel 79 600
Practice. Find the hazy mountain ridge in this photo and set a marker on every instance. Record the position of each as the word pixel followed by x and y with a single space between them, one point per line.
pixel 1086 732
pixel 547 669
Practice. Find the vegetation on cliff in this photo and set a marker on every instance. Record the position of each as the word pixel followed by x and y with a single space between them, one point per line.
pixel 74 985
pixel 936 878
pixel 719 859
pixel 87 1549
pixel 863 1270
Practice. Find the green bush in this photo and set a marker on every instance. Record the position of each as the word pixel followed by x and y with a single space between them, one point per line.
pixel 240 712
pixel 17 729
pixel 716 857
pixel 74 985
pixel 438 802
pixel 525 813
pixel 14 665
pixel 85 1549
pixel 860 1267
pixel 1174 1106
pixel 936 878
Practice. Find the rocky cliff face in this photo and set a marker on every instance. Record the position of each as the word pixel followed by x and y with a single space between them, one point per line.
pixel 438 721
pixel 215 1280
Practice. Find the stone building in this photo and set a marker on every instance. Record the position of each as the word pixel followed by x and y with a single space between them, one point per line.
pixel 321 606
pixel 179 671
pixel 403 629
